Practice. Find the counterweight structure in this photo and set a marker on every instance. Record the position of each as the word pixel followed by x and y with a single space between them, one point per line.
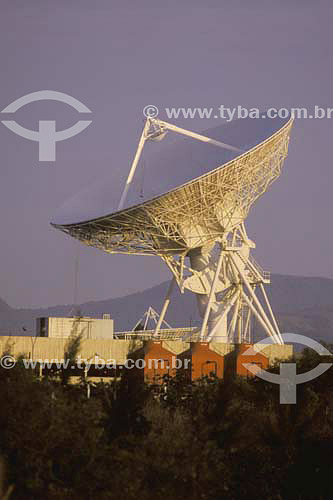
pixel 198 230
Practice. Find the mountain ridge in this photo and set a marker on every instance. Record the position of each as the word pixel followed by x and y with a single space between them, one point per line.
pixel 302 304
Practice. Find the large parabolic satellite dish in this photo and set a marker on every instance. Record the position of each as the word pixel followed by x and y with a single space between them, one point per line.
pixel 187 204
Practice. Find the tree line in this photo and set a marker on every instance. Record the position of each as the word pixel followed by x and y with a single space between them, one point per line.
pixel 228 439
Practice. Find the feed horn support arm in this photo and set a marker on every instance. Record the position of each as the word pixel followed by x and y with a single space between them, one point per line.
pixel 205 205
pixel 162 127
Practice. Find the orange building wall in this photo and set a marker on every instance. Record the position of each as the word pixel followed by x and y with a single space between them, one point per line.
pixel 197 362
pixel 203 361
pixel 157 362
pixel 258 359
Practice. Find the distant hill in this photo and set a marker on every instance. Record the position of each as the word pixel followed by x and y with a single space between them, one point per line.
pixel 291 293
pixel 302 305
pixel 315 322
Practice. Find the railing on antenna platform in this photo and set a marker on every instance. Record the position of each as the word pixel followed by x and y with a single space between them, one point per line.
pixel 265 275
pixel 163 334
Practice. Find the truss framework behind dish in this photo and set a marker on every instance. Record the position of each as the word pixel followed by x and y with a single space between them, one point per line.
pixel 153 228
pixel 210 208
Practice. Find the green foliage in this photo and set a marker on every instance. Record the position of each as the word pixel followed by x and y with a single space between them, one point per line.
pixel 175 440
pixel 72 350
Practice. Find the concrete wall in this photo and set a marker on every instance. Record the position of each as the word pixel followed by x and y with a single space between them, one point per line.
pixel 42 348
pixel 90 328
pixel 46 348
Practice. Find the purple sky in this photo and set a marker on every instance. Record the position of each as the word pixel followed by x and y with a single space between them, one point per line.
pixel 118 56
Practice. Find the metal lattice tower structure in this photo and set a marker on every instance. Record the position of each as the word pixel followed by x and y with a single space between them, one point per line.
pixel 198 230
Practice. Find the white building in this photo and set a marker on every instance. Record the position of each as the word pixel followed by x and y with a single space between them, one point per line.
pixel 89 328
